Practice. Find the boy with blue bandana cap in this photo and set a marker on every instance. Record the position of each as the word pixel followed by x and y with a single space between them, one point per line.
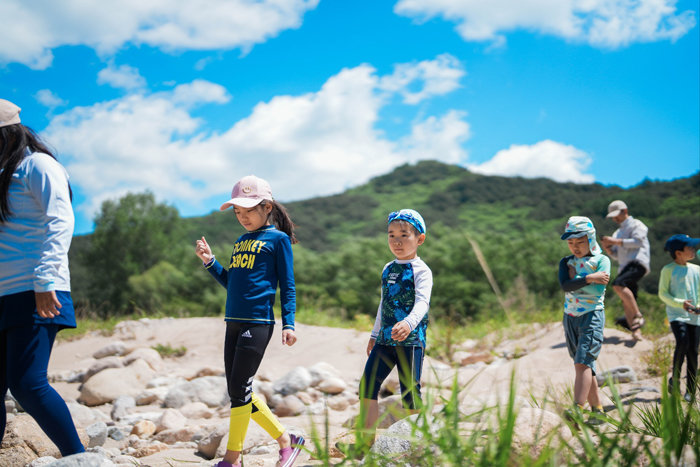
pixel 398 337
pixel 583 276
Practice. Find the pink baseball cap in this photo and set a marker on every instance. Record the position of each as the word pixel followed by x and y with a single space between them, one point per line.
pixel 248 192
pixel 9 113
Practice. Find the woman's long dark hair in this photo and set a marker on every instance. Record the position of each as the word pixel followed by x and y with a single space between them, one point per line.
pixel 15 140
pixel 281 219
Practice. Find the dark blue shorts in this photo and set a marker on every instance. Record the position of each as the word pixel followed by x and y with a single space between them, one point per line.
pixel 584 337
pixel 19 309
pixel 382 359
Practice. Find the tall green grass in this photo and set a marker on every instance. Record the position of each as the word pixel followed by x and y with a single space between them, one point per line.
pixel 665 433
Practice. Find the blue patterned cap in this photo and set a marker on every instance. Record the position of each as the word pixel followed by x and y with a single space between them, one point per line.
pixel 579 226
pixel 410 216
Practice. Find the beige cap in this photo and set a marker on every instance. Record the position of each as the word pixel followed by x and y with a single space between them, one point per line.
pixel 9 113
pixel 615 207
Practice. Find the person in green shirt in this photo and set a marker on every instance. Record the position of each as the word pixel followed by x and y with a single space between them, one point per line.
pixel 679 284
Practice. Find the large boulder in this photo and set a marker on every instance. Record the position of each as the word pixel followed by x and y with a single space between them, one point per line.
pixel 24 441
pixel 210 390
pixel 109 384
pixel 297 379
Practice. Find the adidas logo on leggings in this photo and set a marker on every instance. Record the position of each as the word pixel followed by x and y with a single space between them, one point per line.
pixel 246 333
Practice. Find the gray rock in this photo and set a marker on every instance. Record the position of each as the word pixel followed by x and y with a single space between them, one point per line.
pixel 134 418
pixel 161 381
pixel 83 415
pixel 620 374
pixel 109 384
pixel 290 406
pixel 322 370
pixel 84 459
pixel 171 419
pixel 150 356
pixel 298 379
pixel 97 434
pixel 208 445
pixel 102 364
pixel 41 461
pixel 115 348
pixel 152 395
pixel 332 385
pixel 116 433
pixel 263 388
pixel 121 407
pixel 196 410
pixel 211 390
pixel 399 438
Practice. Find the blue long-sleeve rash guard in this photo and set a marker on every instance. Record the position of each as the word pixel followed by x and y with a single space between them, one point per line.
pixel 260 261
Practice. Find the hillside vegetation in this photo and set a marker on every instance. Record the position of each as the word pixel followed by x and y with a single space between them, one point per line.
pixel 140 257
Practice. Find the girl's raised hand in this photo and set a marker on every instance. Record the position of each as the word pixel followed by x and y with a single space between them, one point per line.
pixel 288 337
pixel 203 251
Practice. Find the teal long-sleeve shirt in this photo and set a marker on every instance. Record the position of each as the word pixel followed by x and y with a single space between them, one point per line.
pixel 676 285
pixel 260 261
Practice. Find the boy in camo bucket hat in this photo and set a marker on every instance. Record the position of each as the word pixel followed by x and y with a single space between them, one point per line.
pixel 583 276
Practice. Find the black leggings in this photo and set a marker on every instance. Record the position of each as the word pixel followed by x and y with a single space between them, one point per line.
pixel 243 351
pixel 687 340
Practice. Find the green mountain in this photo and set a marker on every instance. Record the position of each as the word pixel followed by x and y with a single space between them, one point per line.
pixel 515 222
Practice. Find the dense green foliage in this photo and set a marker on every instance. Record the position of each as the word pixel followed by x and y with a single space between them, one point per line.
pixel 141 254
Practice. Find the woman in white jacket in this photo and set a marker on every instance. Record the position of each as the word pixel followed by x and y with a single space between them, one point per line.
pixel 36 226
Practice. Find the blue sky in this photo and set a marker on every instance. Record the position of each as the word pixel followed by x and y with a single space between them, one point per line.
pixel 184 97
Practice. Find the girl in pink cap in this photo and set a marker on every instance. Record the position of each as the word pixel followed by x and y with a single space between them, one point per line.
pixel 261 259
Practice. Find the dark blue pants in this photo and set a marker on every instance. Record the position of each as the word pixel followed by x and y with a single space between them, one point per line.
pixel 24 360
pixel 687 342
pixel 382 359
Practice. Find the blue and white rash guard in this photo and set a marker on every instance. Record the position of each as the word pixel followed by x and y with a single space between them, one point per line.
pixel 406 288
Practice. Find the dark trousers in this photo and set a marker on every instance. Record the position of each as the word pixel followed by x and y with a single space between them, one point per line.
pixel 687 341
pixel 382 359
pixel 24 360
pixel 244 348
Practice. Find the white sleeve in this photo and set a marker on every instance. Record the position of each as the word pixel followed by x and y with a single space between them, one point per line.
pixel 48 183
pixel 378 319
pixel 377 322
pixel 424 285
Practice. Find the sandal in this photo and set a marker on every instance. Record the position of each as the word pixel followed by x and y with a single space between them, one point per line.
pixel 637 323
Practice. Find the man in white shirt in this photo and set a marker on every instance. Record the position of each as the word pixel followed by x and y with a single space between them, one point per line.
pixel 628 245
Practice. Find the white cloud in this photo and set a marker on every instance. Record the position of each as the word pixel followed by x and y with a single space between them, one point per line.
pixel 123 77
pixel 601 23
pixel 439 76
pixel 47 98
pixel 32 29
pixel 313 144
pixel 550 159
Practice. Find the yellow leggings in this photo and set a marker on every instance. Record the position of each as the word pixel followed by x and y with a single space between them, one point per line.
pixel 240 417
